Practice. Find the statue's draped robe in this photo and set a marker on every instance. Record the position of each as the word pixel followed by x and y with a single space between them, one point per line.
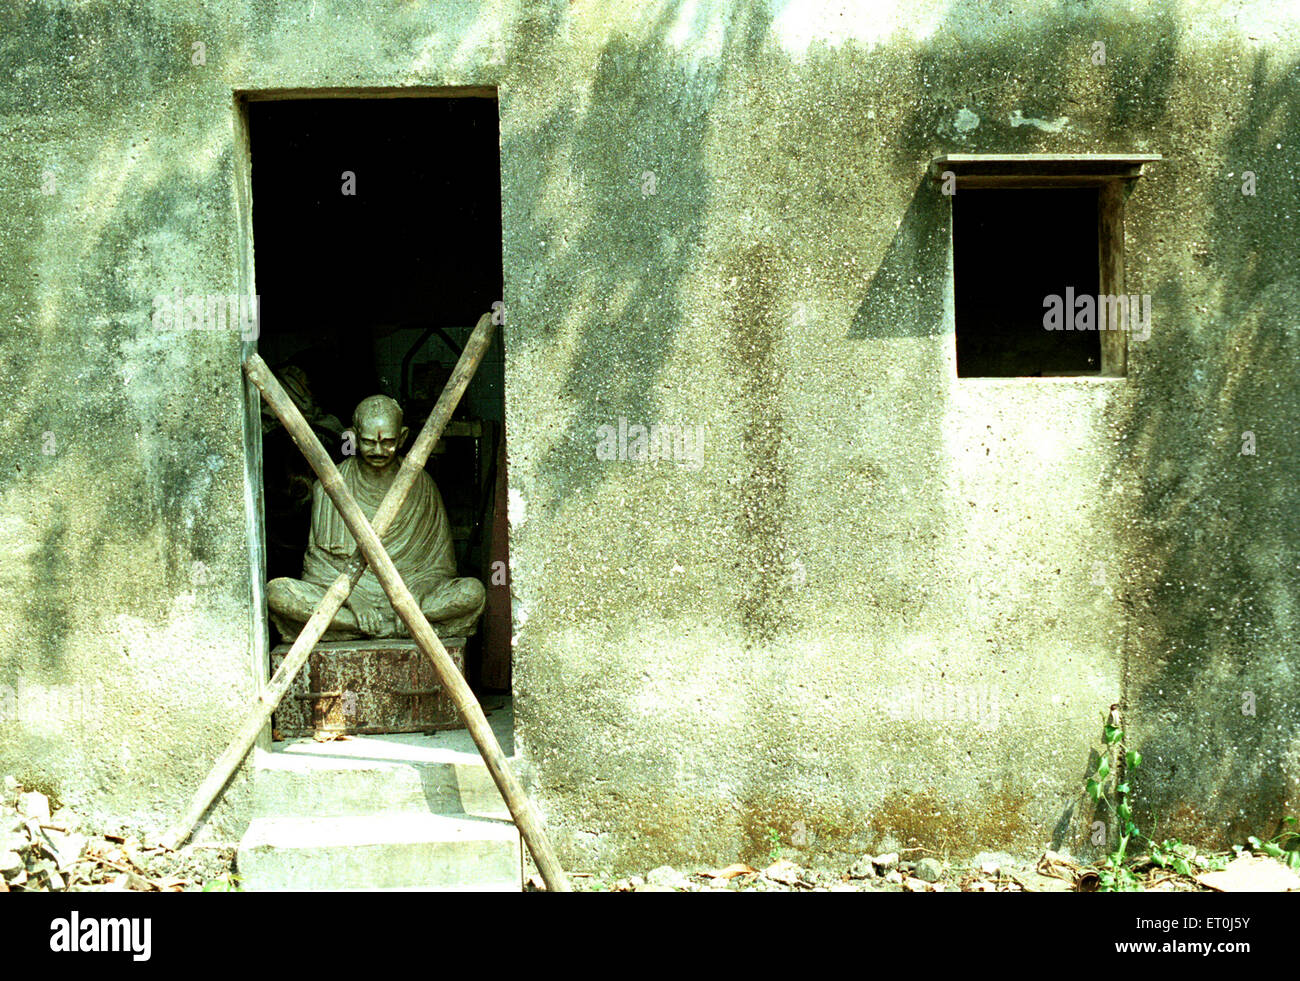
pixel 418 542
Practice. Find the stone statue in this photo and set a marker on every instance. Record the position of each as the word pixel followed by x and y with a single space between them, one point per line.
pixel 418 542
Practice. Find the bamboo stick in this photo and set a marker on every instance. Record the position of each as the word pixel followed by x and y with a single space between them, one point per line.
pixel 228 762
pixel 521 809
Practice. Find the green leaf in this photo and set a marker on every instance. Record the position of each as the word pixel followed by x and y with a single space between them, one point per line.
pixel 1124 811
pixel 1181 867
pixel 1103 768
pixel 1112 735
pixel 1094 789
pixel 1133 759
pixel 1130 828
pixel 1271 849
pixel 1123 788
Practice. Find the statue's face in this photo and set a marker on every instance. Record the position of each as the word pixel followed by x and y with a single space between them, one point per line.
pixel 379 436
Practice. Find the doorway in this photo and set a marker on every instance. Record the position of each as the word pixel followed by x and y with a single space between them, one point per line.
pixel 377 246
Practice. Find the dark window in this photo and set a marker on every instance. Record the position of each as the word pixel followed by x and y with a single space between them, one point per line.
pixel 1013 248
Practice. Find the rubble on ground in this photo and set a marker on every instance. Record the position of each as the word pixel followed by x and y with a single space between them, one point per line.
pixel 907 870
pixel 45 849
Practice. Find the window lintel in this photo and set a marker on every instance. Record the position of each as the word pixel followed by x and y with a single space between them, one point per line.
pixel 1025 169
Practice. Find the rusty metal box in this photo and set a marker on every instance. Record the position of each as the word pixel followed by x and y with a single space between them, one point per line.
pixel 362 687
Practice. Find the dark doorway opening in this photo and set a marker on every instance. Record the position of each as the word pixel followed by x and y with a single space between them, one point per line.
pixel 1012 249
pixel 377 246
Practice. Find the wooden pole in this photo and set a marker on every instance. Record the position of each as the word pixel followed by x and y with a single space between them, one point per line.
pixel 521 809
pixel 228 762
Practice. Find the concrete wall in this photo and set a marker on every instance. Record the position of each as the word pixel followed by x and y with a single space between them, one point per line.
pixel 870 612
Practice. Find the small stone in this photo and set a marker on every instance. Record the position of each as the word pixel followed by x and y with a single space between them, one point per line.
pixel 784 872
pixel 665 875
pixel 718 883
pixel 10 842
pixel 11 863
pixel 57 883
pixel 990 869
pixel 43 866
pixel 635 882
pixel 13 824
pixel 884 863
pixel 137 882
pixel 67 848
pixel 929 869
pixel 863 868
pixel 34 804
pixel 894 877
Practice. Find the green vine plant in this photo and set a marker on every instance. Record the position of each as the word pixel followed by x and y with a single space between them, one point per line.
pixel 1116 873
pixel 1284 846
pixel 226 882
pixel 774 845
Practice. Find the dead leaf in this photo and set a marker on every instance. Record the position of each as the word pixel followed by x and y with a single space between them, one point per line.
pixel 1057 866
pixel 138 883
pixel 731 871
pixel 1251 873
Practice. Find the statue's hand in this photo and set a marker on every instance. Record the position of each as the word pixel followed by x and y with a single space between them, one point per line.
pixel 370 621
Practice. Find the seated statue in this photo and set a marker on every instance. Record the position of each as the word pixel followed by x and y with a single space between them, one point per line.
pixel 418 542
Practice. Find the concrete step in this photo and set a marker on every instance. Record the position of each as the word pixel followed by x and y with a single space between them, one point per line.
pixel 440 773
pixel 402 851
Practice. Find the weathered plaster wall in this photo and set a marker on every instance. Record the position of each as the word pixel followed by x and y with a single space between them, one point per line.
pixel 713 216
pixel 766 643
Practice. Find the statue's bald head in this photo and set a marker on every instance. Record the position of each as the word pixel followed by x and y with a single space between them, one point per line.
pixel 380 407
pixel 377 423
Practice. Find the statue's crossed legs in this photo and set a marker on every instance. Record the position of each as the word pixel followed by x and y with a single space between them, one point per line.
pixel 452 607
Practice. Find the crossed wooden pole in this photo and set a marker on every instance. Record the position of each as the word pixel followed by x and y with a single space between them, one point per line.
pixel 371 552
